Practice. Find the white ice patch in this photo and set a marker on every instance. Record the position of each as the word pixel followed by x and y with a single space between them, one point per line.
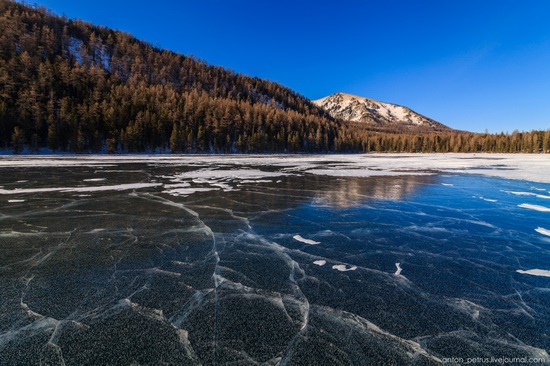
pixel 529 194
pixel 543 231
pixel 118 187
pixel 535 207
pixel 305 241
pixel 16 201
pixel 344 268
pixel 188 191
pixel 94 180
pixel 399 269
pixel 447 184
pixel 244 181
pixel 535 272
pixel 178 185
pixel 239 174
pixel 507 166
pixel 320 262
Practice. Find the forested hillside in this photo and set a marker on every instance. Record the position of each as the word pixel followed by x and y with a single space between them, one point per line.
pixel 72 86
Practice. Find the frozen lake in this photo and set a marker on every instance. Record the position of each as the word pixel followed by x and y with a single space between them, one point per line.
pixel 290 260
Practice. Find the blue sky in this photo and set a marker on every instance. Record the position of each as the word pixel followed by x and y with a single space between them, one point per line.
pixel 473 65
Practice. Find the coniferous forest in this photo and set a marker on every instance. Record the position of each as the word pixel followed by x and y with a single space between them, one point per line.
pixel 72 86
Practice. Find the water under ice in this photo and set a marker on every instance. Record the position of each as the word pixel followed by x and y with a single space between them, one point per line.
pixel 209 260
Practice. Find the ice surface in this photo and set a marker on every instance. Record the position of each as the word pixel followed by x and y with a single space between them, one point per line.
pixel 305 241
pixel 193 262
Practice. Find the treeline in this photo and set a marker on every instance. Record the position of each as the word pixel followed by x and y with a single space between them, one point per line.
pixel 459 142
pixel 72 86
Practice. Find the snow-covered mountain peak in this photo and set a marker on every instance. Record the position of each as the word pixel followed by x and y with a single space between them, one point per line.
pixel 372 112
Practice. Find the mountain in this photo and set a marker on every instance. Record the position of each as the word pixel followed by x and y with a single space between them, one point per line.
pixel 374 113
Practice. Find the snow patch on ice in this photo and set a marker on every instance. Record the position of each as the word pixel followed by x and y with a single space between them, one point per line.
pixel 320 262
pixel 344 268
pixel 118 187
pixel 188 191
pixel 305 241
pixel 399 269
pixel 528 194
pixel 543 231
pixel 94 180
pixel 16 201
pixel 244 181
pixel 535 272
pixel 535 207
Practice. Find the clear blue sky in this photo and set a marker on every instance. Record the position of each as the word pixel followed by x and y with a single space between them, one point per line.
pixel 471 64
